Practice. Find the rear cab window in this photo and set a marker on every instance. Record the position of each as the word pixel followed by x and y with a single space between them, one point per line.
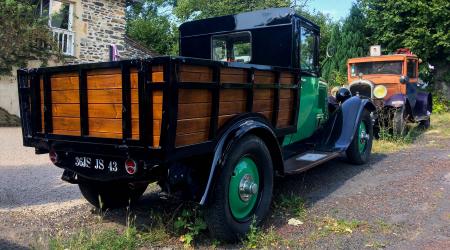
pixel 233 47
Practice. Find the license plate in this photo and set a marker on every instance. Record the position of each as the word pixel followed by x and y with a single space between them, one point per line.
pixel 85 162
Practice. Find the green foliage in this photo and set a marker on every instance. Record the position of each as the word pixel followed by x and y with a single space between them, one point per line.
pixel 197 9
pixel 23 35
pixel 349 40
pixel 190 223
pixel 153 29
pixel 440 103
pixel 259 239
pixel 291 204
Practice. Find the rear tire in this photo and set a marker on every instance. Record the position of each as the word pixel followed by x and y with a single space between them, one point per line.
pixel 229 213
pixel 111 194
pixel 361 146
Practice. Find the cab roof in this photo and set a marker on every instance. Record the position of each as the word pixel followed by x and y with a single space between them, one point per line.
pixel 393 57
pixel 242 21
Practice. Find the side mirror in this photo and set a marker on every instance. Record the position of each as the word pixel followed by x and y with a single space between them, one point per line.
pixel 342 95
pixel 404 79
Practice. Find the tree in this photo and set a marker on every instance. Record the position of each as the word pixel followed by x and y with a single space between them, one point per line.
pixel 24 35
pixel 421 25
pixel 153 29
pixel 349 40
pixel 197 9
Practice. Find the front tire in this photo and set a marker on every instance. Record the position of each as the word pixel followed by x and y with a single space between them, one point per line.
pixel 243 192
pixel 425 124
pixel 399 122
pixel 111 195
pixel 361 146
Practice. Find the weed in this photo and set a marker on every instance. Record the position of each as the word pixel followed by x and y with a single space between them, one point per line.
pixel 259 239
pixel 189 224
pixel 339 226
pixel 292 204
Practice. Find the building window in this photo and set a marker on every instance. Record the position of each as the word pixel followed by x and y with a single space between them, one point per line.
pixel 60 15
pixel 234 47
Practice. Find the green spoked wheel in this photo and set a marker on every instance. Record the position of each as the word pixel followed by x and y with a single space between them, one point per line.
pixel 243 190
pixel 360 148
pixel 244 187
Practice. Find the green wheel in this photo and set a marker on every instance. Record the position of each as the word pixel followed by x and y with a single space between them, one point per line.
pixel 360 148
pixel 243 191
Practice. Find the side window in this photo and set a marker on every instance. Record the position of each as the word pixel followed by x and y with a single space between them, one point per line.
pixel 234 47
pixel 307 47
pixel 412 68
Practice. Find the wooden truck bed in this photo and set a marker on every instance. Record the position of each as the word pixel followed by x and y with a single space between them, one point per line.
pixel 160 103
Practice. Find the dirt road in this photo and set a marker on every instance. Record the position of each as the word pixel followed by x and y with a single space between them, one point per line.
pixel 398 201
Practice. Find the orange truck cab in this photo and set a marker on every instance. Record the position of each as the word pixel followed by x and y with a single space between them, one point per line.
pixel 393 83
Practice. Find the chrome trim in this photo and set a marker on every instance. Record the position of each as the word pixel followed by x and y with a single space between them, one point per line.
pixel 362 82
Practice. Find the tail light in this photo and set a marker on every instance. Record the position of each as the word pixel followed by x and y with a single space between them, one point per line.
pixel 130 166
pixel 53 157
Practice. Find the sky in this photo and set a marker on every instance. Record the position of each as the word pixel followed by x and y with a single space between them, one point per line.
pixel 337 9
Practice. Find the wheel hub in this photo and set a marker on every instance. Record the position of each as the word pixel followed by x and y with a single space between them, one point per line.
pixel 247 188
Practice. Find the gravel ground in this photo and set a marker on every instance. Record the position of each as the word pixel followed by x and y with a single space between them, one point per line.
pixel 400 201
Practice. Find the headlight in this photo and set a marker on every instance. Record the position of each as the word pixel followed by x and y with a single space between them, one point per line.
pixel 380 91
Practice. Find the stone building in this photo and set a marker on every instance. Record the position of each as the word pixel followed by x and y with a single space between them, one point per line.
pixel 86 31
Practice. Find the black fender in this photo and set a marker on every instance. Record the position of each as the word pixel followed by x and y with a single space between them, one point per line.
pixel 351 111
pixel 237 128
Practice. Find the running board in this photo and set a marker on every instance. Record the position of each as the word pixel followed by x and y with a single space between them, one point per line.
pixel 307 160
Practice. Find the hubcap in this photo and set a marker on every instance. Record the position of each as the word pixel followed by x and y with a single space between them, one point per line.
pixel 243 189
pixel 363 137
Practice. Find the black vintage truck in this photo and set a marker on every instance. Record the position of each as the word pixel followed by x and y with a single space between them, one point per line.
pixel 241 104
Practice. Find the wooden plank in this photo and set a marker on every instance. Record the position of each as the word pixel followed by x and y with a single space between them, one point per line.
pixel 232 75
pixel 229 95
pixel 66 132
pixel 267 114
pixel 64 83
pixel 65 96
pixel 190 139
pixel 66 123
pixel 262 105
pixel 223 119
pixel 227 108
pixel 195 68
pixel 200 77
pixel 110 71
pixel 287 93
pixel 134 80
pixel 263 94
pixel 157 77
pixel 187 126
pixel 105 96
pixel 104 81
pixel 65 110
pixel 194 96
pixel 193 110
pixel 283 123
pixel 286 103
pixel 110 110
pixel 264 77
pixel 285 114
pixel 65 75
pixel 287 78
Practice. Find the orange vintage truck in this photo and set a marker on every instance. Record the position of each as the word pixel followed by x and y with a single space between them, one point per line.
pixel 392 82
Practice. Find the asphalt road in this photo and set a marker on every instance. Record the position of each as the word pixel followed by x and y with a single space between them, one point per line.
pixel 407 194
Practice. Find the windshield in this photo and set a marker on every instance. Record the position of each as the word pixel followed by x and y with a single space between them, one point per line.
pixel 367 68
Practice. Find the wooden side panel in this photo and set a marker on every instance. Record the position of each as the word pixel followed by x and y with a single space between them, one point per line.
pixel 194 111
pixel 286 108
pixel 264 77
pixel 233 75
pixel 193 73
pixel 65 103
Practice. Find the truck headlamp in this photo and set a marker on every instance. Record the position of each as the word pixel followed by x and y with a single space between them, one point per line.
pixel 380 91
